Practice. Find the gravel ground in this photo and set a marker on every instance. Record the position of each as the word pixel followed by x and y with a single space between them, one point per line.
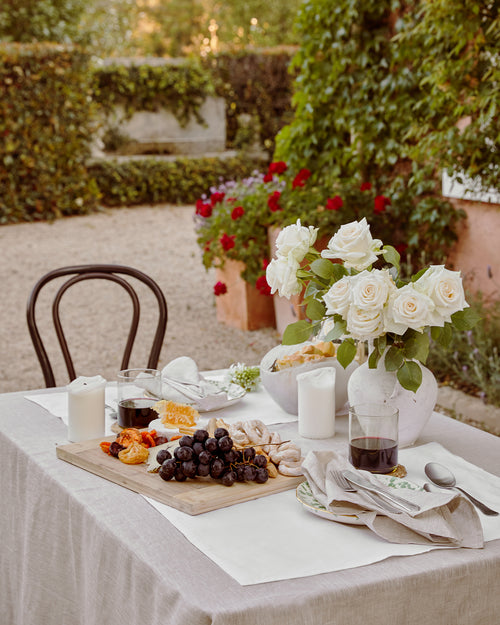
pixel 158 240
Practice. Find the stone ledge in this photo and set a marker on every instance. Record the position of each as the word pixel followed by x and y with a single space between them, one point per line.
pixel 470 409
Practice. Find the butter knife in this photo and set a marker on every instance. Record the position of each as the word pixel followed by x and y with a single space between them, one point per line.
pixel 361 482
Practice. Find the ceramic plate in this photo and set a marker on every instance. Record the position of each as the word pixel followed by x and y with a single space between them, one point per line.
pixel 233 394
pixel 311 504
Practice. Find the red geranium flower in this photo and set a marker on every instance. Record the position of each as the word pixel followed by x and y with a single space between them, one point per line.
pixel 238 211
pixel 230 200
pixel 220 288
pixel 265 263
pixel 381 201
pixel 262 286
pixel 334 203
pixel 300 178
pixel 273 201
pixel 203 208
pixel 365 186
pixel 401 248
pixel 227 241
pixel 216 197
pixel 278 167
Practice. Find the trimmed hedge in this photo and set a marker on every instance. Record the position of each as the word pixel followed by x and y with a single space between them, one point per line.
pixel 150 181
pixel 46 126
pixel 256 83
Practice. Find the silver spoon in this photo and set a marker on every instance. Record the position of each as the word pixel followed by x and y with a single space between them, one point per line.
pixel 443 477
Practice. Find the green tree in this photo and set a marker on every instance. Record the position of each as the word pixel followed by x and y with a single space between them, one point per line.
pixel 41 20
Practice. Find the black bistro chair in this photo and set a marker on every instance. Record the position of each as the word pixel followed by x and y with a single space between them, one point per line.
pixel 113 273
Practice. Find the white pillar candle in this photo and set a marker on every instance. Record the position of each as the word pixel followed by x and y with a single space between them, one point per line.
pixel 316 397
pixel 86 417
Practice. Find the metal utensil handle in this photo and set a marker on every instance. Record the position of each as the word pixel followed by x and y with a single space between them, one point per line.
pixel 479 504
pixel 383 504
pixel 402 504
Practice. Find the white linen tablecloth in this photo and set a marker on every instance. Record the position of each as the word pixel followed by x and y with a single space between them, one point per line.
pixel 80 550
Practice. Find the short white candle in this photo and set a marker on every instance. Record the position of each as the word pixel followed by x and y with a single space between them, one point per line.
pixel 316 396
pixel 86 416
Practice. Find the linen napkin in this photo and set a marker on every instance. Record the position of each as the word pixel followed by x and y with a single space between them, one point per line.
pixel 184 369
pixel 444 518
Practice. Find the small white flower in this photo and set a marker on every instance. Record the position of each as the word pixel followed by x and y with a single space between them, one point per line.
pixel 296 240
pixel 353 244
pixel 408 308
pixel 281 275
pixel 337 299
pixel 446 290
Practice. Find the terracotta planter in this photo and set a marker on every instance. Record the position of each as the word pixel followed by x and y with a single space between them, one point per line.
pixel 242 307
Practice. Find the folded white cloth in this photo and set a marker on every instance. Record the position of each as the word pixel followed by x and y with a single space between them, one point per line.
pixel 445 518
pixel 183 369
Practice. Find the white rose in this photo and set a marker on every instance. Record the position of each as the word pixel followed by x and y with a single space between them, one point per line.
pixel 337 298
pixel 353 244
pixel 365 324
pixel 408 308
pixel 281 275
pixel 296 240
pixel 370 290
pixel 446 290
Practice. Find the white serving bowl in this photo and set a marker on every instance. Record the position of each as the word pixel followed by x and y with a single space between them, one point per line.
pixel 282 385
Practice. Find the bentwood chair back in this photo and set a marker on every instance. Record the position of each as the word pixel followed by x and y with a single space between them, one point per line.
pixel 119 274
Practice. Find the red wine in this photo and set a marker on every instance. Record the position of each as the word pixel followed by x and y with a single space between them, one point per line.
pixel 378 455
pixel 136 412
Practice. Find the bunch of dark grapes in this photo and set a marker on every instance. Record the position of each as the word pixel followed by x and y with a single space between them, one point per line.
pixel 202 455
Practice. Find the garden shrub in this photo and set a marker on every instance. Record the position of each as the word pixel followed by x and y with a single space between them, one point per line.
pixel 149 180
pixel 46 123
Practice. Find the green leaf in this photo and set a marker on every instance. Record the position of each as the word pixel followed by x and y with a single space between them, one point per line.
pixel 323 268
pixel 394 358
pixel 391 255
pixel 417 347
pixel 338 271
pixel 373 359
pixel 346 352
pixel 297 332
pixel 410 376
pixel 315 310
pixel 380 344
pixel 445 336
pixel 465 319
pixel 338 330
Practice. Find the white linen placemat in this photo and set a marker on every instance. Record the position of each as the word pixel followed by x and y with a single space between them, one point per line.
pixel 254 405
pixel 57 404
pixel 274 538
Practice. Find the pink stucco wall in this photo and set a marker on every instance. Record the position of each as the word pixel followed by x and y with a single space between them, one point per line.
pixel 477 253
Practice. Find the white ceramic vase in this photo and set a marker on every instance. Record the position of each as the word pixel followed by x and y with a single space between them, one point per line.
pixel 380 386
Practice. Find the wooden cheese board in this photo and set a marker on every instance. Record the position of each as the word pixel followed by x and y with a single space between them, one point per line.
pixel 194 496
